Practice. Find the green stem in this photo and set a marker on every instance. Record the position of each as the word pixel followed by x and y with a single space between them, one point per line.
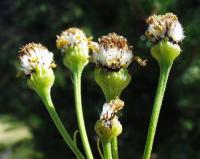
pixel 163 78
pixel 79 113
pixel 106 149
pixel 114 146
pixel 114 141
pixel 46 98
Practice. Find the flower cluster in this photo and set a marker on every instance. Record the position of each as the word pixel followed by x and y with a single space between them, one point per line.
pixel 35 56
pixel 112 52
pixel 162 26
pixel 112 55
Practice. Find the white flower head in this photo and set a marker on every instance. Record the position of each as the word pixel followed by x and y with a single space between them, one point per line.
pixel 112 52
pixel 110 110
pixel 162 26
pixel 73 37
pixel 34 56
pixel 109 126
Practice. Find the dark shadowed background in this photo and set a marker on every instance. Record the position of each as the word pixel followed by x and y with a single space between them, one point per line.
pixel 26 131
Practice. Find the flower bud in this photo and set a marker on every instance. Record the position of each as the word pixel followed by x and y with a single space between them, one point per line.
pixel 74 44
pixel 165 32
pixel 41 80
pixel 165 52
pixel 108 126
pixel 37 63
pixel 112 83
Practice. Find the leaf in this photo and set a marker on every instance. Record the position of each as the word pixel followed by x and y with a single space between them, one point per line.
pixel 74 137
pixel 99 148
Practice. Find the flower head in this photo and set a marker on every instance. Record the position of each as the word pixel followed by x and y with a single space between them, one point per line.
pixel 112 52
pixel 165 31
pixel 37 62
pixel 109 126
pixel 112 83
pixel 73 37
pixel 110 110
pixel 33 56
pixel 164 26
pixel 75 46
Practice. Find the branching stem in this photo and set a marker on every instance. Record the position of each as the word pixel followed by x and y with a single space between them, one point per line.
pixel 46 98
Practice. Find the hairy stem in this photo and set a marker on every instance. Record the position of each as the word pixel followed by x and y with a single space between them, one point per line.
pixel 46 98
pixel 163 78
pixel 79 113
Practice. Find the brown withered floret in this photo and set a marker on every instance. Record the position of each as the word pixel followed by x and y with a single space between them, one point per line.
pixel 114 40
pixel 30 47
pixel 62 42
pixel 116 104
pixel 159 19
pixel 73 30
pixel 160 23
pixel 140 61
pixel 170 16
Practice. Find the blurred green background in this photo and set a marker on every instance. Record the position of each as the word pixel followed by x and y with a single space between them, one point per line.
pixel 26 131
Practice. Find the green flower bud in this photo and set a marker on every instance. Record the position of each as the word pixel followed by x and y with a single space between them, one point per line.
pixel 41 80
pixel 112 83
pixel 74 59
pixel 165 52
pixel 74 44
pixel 37 63
pixel 108 129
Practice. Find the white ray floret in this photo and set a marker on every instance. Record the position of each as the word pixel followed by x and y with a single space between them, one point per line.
pixel 176 32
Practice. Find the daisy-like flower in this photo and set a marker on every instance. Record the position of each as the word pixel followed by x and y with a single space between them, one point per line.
pixel 164 26
pixel 34 56
pixel 73 37
pixel 112 51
